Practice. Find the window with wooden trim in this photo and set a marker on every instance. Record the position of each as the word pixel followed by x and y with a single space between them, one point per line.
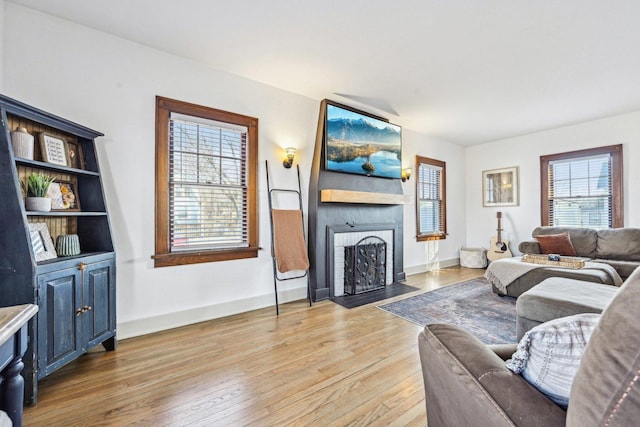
pixel 431 201
pixel 206 178
pixel 583 188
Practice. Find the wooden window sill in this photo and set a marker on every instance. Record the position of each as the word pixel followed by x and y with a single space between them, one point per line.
pixel 184 258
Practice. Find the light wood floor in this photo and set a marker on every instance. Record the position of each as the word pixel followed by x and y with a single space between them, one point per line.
pixel 324 365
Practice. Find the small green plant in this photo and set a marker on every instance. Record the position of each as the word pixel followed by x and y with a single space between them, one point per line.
pixel 37 185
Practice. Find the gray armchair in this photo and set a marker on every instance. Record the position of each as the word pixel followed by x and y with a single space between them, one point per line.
pixel 467 383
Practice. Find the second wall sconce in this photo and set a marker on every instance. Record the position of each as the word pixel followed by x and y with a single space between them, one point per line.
pixel 290 153
pixel 406 174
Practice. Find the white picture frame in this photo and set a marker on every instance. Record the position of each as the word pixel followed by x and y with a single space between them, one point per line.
pixel 500 187
pixel 41 241
pixel 54 150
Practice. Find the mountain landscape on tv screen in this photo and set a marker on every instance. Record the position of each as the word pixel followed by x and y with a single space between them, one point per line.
pixel 361 130
pixel 359 146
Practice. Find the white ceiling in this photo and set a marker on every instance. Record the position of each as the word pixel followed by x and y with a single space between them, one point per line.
pixel 467 71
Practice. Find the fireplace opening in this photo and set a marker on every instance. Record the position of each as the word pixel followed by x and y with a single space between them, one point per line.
pixel 365 265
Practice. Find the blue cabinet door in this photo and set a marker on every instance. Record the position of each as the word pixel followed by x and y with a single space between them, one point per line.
pixel 99 320
pixel 59 333
pixel 77 312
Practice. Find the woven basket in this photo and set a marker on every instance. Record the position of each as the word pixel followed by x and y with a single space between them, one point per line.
pixel 565 262
pixel 473 257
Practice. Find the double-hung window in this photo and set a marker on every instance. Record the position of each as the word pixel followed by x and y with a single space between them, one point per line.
pixel 206 165
pixel 431 199
pixel 583 188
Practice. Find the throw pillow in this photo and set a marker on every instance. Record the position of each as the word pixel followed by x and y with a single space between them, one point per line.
pixel 556 244
pixel 549 354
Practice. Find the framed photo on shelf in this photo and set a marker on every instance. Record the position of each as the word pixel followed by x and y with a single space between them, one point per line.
pixel 500 187
pixel 75 155
pixel 41 241
pixel 64 196
pixel 54 149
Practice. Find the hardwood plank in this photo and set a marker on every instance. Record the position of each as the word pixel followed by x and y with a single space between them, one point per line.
pixel 320 365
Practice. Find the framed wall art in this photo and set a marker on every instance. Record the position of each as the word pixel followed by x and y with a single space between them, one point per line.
pixel 64 196
pixel 54 149
pixel 74 150
pixel 500 187
pixel 41 241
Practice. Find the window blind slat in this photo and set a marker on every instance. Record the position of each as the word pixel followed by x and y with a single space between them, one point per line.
pixel 580 192
pixel 207 184
pixel 430 204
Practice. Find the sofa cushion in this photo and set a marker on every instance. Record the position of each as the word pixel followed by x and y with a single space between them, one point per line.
pixel 538 275
pixel 559 297
pixel 606 389
pixel 619 244
pixel 559 244
pixel 529 247
pixel 548 355
pixel 584 240
pixel 624 268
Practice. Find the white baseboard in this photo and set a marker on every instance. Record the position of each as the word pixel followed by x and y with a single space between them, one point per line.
pixel 423 268
pixel 134 328
pixel 148 325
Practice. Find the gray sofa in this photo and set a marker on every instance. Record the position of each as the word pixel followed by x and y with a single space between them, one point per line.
pixel 467 383
pixel 617 247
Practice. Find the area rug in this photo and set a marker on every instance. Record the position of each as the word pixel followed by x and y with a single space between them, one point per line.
pixel 393 290
pixel 471 305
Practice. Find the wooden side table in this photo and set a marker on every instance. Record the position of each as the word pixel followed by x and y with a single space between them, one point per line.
pixel 13 343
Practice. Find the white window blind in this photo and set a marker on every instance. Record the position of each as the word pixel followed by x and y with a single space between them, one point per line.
pixel 580 192
pixel 208 192
pixel 430 200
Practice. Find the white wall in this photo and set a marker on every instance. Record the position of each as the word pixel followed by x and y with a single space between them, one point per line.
pixel 423 256
pixel 525 152
pixel 110 84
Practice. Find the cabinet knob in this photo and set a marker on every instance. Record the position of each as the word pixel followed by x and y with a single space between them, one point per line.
pixel 86 308
pixel 79 312
pixel 82 266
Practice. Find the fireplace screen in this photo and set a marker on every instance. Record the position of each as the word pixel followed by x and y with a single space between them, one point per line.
pixel 365 265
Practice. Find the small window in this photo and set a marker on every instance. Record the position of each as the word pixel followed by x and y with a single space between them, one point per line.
pixel 431 200
pixel 583 188
pixel 206 184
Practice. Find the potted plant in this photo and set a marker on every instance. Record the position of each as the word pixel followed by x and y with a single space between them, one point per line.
pixel 35 189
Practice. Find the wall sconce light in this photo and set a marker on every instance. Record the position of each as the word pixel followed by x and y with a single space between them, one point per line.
pixel 290 153
pixel 406 174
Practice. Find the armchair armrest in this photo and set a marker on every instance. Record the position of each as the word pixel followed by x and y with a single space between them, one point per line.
pixel 468 384
pixel 504 351
pixel 529 247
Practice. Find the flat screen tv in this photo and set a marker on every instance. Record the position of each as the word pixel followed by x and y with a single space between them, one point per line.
pixel 359 143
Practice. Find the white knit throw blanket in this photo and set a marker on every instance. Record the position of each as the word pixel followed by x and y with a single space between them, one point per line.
pixel 501 273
